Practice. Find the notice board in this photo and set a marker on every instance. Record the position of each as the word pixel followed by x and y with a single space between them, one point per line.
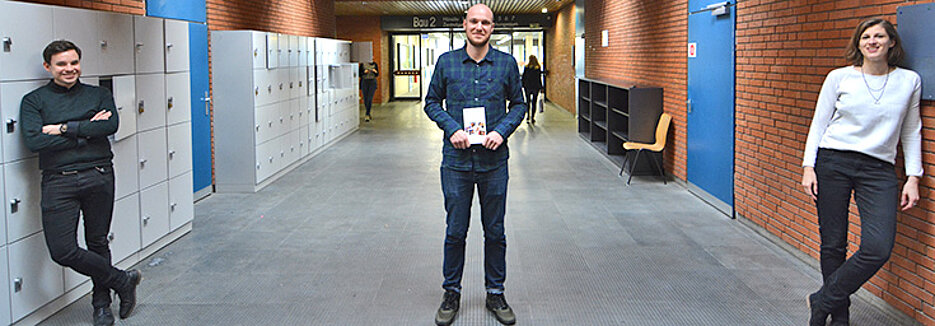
pixel 915 26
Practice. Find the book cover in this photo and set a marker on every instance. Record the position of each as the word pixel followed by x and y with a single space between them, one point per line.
pixel 475 124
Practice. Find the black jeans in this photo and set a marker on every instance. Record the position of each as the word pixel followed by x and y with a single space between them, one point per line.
pixel 876 191
pixel 531 103
pixel 368 87
pixel 92 193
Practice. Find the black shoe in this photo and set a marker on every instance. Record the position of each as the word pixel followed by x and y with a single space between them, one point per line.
pixel 103 317
pixel 817 316
pixel 841 316
pixel 128 293
pixel 496 303
pixel 451 301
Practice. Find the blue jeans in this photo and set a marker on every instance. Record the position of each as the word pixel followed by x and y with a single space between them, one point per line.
pixel 458 188
pixel 876 191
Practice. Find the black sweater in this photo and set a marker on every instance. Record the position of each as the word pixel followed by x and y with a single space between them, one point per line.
pixel 84 145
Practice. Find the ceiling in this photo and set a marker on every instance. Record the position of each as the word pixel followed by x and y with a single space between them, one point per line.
pixel 442 7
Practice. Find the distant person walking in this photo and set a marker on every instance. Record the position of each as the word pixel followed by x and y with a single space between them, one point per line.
pixel 368 84
pixel 863 111
pixel 532 85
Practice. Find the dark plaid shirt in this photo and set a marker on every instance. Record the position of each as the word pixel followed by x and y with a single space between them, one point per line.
pixel 461 83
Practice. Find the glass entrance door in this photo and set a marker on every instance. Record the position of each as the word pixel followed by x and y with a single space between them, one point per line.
pixel 407 66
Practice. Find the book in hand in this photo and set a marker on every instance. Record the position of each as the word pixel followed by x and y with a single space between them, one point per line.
pixel 475 124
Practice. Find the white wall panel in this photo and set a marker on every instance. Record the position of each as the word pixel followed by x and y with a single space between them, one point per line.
pixel 11 95
pixel 23 198
pixel 35 279
pixel 25 30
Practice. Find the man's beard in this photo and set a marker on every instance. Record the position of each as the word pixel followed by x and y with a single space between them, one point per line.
pixel 479 45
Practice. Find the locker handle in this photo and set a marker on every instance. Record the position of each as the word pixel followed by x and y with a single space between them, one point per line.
pixel 271 159
pixel 7 44
pixel 171 99
pixel 258 166
pixel 255 52
pixel 110 237
pixel 269 88
pixel 142 106
pixel 291 85
pixel 139 45
pixel 120 108
pixel 143 162
pixel 17 284
pixel 169 45
pixel 282 154
pixel 172 207
pixel 280 86
pixel 256 91
pixel 171 154
pixel 104 43
pixel 146 221
pixel 10 125
pixel 257 127
pixel 14 205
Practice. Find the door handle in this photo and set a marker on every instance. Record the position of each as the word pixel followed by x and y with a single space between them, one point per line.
pixel 103 43
pixel 110 237
pixel 10 125
pixel 142 162
pixel 689 106
pixel 171 99
pixel 145 220
pixel 7 44
pixel 207 101
pixel 17 284
pixel 142 106
pixel 14 205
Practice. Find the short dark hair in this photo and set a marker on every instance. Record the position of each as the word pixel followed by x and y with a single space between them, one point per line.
pixel 893 56
pixel 57 47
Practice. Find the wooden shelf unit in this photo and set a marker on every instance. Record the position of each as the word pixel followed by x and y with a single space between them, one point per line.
pixel 610 114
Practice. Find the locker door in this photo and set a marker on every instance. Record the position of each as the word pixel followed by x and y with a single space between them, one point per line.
pixel 266 159
pixel 294 89
pixel 178 98
pixel 181 202
pixel 272 50
pixel 176 45
pixel 125 100
pixel 24 33
pixel 283 51
pixel 125 228
pixel 116 44
pixel 302 79
pixel 153 152
pixel 281 85
pixel 293 51
pixel 150 101
pixel 303 140
pixel 303 51
pixel 34 277
pixel 265 127
pixel 263 87
pixel 11 95
pixel 150 56
pixel 23 195
pixel 126 167
pixel 293 115
pixel 154 213
pixel 259 50
pixel 5 317
pixel 180 149
pixel 304 110
pixel 80 26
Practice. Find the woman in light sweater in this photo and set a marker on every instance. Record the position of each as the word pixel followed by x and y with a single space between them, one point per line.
pixel 863 111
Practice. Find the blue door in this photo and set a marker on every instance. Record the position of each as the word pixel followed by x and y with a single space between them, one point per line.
pixel 201 117
pixel 710 122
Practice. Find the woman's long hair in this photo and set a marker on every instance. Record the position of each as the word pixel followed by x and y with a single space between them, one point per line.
pixel 533 62
pixel 894 54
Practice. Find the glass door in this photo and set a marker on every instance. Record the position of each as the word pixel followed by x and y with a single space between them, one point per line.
pixel 407 66
pixel 433 46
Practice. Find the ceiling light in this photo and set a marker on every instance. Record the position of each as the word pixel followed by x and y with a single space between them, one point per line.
pixel 545 10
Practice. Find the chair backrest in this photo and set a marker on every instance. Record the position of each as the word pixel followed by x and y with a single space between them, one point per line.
pixel 662 130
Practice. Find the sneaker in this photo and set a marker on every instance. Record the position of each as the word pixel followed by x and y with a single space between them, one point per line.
pixel 451 301
pixel 817 316
pixel 496 303
pixel 367 118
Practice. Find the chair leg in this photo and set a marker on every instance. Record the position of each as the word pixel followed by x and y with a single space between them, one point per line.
pixel 633 165
pixel 626 160
pixel 659 166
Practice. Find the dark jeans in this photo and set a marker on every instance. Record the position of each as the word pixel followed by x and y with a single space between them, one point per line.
pixel 876 191
pixel 458 188
pixel 92 193
pixel 531 103
pixel 369 88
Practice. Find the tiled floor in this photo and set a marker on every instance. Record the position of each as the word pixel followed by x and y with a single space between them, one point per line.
pixel 354 237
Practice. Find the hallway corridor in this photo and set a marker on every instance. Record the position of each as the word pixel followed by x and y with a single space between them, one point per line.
pixel 354 237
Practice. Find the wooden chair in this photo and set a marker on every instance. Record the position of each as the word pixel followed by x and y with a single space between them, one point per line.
pixel 662 130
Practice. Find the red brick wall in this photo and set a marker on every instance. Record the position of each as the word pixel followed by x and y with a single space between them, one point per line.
pixel 367 29
pixel 294 17
pixel 560 60
pixel 136 7
pixel 647 48
pixel 784 51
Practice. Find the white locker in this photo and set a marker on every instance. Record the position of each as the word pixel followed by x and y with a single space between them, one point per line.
pixel 281 85
pixel 295 145
pixel 303 51
pixel 263 86
pixel 303 141
pixel 259 50
pixel 154 213
pixel 11 95
pixel 153 153
pixel 294 90
pixel 304 110
pixel 267 157
pixel 178 98
pixel 264 118
pixel 126 167
pixel 150 101
pixel 180 148
pixel 23 197
pixel 34 278
pixel 294 118
pixel 148 33
pixel 181 200
pixel 24 33
pixel 116 43
pixel 125 100
pixel 5 317
pixel 125 228
pixel 272 50
pixel 80 26
pixel 3 232
pixel 283 50
pixel 176 45
pixel 293 51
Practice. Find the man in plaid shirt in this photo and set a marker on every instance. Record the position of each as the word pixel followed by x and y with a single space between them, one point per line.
pixel 476 76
